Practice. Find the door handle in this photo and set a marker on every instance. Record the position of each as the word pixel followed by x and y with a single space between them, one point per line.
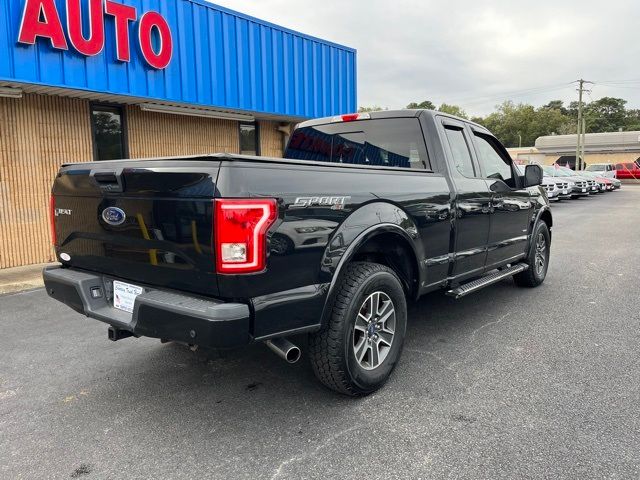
pixel 108 181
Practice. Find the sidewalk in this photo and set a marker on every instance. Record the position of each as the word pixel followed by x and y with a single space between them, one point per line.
pixel 21 278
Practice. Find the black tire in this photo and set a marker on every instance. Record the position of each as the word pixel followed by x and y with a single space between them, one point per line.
pixel 535 274
pixel 332 349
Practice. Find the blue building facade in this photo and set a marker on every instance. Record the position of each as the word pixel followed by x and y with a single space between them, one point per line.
pixel 219 58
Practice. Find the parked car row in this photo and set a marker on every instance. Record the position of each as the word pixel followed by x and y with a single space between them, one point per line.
pixel 563 183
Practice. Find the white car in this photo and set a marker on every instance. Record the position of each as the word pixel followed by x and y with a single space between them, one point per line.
pixel 555 189
pixel 606 170
pixel 551 187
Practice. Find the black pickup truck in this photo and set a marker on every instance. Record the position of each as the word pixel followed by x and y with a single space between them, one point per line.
pixel 366 213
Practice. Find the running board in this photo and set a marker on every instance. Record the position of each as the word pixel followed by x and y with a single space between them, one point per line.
pixel 474 286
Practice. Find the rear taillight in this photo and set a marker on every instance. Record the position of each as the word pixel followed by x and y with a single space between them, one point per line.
pixel 241 233
pixel 52 220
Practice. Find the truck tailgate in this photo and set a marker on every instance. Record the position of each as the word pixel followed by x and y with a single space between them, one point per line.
pixel 149 222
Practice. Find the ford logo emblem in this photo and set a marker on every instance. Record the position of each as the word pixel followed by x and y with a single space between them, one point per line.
pixel 114 216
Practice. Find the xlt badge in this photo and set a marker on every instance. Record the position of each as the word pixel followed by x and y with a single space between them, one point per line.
pixel 62 211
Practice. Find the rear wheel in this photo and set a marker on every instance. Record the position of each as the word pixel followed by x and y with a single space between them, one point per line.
pixel 359 347
pixel 538 258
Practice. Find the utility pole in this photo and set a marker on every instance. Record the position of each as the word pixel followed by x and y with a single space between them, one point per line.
pixel 581 90
pixel 584 142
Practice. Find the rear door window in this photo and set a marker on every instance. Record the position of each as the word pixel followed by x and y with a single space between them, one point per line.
pixel 383 143
pixel 460 151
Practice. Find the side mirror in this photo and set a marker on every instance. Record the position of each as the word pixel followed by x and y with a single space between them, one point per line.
pixel 533 175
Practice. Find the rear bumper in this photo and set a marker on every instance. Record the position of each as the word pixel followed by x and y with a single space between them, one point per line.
pixel 156 313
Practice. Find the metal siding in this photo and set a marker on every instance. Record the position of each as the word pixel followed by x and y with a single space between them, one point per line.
pixel 5 34
pixel 278 70
pixel 221 59
pixel 244 67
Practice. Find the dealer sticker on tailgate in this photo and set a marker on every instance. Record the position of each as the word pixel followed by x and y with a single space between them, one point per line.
pixel 124 295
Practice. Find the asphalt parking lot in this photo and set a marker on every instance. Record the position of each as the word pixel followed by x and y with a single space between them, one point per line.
pixel 507 383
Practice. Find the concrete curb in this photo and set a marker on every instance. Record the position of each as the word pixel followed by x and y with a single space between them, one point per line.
pixel 21 278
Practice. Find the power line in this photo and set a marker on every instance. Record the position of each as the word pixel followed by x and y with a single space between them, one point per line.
pixel 518 92
pixel 633 80
pixel 499 95
pixel 619 86
pixel 481 100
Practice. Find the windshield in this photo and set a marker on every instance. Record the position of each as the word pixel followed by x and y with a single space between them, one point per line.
pixel 554 172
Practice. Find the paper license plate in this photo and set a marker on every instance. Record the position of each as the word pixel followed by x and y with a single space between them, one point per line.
pixel 584 190
pixel 124 295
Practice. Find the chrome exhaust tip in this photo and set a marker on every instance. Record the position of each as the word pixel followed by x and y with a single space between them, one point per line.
pixel 284 349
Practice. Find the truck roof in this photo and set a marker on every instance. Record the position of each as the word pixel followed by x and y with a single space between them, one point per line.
pixel 382 114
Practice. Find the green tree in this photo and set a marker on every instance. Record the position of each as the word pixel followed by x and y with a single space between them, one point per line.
pixel 452 110
pixel 633 120
pixel 427 105
pixel 607 114
pixel 514 123
pixel 556 105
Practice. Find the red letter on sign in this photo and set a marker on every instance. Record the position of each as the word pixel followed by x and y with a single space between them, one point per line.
pixel 51 28
pixel 122 15
pixel 148 22
pixel 95 43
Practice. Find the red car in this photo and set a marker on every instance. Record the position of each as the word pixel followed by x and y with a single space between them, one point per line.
pixel 627 171
pixel 608 184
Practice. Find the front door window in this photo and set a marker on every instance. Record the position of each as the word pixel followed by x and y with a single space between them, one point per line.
pixel 495 166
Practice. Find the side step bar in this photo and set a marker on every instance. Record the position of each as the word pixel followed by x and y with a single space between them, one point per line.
pixel 474 286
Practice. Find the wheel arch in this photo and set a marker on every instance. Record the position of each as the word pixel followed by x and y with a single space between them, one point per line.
pixel 388 244
pixel 543 215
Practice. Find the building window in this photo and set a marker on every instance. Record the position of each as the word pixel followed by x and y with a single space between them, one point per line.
pixel 249 139
pixel 109 137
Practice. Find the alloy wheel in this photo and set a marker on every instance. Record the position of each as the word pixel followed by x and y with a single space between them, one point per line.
pixel 541 254
pixel 374 330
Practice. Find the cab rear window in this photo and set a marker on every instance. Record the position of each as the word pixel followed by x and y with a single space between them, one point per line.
pixel 384 143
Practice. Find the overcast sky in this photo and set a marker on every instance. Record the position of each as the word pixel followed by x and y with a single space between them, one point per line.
pixel 474 53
